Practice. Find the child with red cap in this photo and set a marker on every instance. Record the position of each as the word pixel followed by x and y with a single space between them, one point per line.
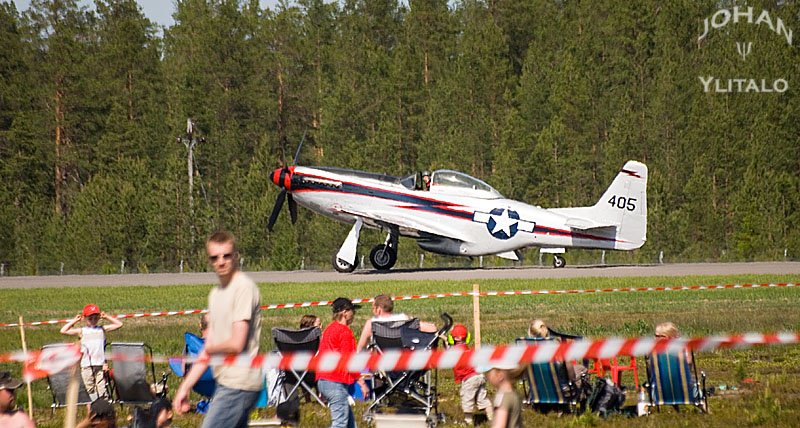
pixel 473 384
pixel 93 343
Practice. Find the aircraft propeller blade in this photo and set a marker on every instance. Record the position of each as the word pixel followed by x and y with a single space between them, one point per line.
pixel 292 209
pixel 273 217
pixel 297 155
pixel 276 209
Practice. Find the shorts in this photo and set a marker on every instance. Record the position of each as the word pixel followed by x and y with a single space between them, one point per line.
pixel 473 393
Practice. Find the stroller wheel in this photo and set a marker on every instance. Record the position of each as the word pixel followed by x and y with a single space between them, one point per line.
pixel 369 419
pixel 431 421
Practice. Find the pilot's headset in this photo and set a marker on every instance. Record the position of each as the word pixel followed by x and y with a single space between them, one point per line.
pixel 459 331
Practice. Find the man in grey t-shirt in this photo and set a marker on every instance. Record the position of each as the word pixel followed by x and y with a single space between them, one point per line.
pixel 234 308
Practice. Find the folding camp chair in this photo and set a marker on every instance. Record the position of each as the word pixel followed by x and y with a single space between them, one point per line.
pixel 418 386
pixel 288 340
pixel 206 385
pixel 670 381
pixel 131 385
pixel 564 337
pixel 547 385
pixel 59 382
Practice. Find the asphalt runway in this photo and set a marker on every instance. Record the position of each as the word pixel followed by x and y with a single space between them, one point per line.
pixel 524 272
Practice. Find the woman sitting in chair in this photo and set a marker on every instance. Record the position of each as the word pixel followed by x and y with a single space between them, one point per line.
pixel 538 328
pixel 668 330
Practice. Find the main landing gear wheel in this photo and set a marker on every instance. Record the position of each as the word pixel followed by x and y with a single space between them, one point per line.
pixel 383 257
pixel 558 261
pixel 342 266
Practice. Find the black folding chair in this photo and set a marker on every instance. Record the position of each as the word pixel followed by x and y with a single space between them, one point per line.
pixel 288 340
pixel 130 373
pixel 59 383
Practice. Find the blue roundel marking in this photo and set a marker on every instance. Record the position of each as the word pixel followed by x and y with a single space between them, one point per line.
pixel 498 227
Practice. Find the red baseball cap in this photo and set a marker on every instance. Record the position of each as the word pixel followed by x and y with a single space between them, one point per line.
pixel 90 310
pixel 458 332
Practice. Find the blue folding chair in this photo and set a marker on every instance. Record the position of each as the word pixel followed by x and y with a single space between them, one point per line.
pixel 547 385
pixel 206 385
pixel 670 381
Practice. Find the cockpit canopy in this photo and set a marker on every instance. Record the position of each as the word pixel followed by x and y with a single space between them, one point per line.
pixel 453 182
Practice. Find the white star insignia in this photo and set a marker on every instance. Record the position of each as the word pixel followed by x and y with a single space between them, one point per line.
pixel 503 222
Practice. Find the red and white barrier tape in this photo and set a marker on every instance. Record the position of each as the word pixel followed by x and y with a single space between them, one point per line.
pixel 151 314
pixel 438 295
pixel 41 363
pixel 38 364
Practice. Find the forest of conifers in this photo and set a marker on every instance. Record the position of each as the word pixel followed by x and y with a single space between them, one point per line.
pixel 543 99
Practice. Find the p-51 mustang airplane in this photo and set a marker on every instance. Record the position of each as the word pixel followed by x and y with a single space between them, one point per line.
pixel 461 215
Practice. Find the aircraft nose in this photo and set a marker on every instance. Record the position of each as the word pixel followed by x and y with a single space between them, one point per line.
pixel 276 176
pixel 282 177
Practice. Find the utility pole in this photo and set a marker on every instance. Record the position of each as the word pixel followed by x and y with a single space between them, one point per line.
pixel 190 142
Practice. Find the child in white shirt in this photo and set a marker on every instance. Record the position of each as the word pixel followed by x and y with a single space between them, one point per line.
pixel 93 343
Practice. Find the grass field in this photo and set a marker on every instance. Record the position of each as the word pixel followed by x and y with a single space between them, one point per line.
pixel 767 379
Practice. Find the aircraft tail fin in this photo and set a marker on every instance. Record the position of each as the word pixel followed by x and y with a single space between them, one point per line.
pixel 624 204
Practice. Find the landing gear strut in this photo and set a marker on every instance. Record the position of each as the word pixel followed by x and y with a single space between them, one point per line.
pixel 345 260
pixel 558 261
pixel 384 256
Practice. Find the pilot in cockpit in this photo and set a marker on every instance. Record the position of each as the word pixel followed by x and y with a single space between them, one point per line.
pixel 426 180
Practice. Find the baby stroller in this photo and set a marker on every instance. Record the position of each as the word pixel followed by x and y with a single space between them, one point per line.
pixel 415 388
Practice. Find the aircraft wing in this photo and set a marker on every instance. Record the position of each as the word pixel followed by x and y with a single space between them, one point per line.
pixel 408 226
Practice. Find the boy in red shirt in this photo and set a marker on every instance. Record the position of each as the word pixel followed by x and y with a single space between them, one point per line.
pixel 473 384
pixel 333 385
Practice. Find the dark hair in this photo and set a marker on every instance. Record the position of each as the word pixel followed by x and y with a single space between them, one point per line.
pixel 103 410
pixel 203 321
pixel 308 320
pixel 159 404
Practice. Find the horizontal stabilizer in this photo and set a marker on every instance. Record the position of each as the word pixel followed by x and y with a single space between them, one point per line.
pixel 586 224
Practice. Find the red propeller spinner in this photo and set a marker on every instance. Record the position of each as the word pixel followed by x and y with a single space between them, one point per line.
pixel 282 177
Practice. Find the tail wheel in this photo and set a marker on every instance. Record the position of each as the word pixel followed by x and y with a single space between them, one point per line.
pixel 558 261
pixel 383 257
pixel 342 266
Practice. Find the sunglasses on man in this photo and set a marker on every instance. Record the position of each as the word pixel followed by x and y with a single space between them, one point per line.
pixel 226 256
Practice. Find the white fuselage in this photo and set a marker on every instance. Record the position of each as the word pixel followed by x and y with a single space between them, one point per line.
pixel 445 219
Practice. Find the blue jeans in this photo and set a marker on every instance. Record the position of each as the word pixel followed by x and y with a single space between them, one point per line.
pixel 336 394
pixel 230 408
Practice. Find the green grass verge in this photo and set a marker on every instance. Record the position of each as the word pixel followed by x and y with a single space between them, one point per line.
pixel 771 397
